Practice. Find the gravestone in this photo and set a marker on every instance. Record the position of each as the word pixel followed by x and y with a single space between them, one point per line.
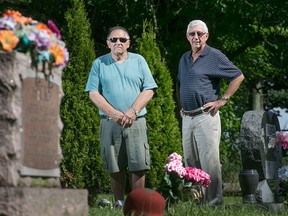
pixel 258 151
pixel 30 153
pixel 41 124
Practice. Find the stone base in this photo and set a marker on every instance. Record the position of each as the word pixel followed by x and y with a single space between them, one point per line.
pixel 15 201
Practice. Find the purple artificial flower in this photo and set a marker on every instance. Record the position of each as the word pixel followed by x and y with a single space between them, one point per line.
pixel 41 38
pixel 66 58
pixel 54 28
pixel 7 23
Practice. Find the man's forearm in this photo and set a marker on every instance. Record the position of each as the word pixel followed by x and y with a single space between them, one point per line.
pixel 102 104
pixel 233 86
pixel 143 99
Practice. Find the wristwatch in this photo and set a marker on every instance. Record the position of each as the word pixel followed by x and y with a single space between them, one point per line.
pixel 135 111
pixel 224 98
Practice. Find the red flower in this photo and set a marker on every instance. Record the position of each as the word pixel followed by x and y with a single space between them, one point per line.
pixel 196 175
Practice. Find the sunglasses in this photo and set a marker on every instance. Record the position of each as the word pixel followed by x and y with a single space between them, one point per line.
pixel 199 34
pixel 121 39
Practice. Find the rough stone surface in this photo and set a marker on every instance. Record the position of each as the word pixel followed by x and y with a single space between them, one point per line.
pixel 42 201
pixel 254 139
pixel 28 147
pixel 31 188
pixel 258 151
pixel 10 114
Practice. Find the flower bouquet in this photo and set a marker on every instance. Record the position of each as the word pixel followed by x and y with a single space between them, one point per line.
pixel 180 183
pixel 40 41
pixel 282 141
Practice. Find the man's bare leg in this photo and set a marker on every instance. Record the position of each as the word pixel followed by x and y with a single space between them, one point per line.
pixel 118 181
pixel 138 179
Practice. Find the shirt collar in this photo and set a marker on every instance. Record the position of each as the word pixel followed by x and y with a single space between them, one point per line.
pixel 203 53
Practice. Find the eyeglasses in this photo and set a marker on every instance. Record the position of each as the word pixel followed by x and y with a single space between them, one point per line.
pixel 121 39
pixel 199 34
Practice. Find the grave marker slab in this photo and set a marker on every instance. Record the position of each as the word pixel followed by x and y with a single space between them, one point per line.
pixel 41 132
pixel 258 151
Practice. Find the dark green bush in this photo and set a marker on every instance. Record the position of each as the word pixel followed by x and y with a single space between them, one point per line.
pixel 81 164
pixel 163 127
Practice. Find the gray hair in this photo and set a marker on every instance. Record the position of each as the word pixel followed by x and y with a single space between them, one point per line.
pixel 118 28
pixel 196 23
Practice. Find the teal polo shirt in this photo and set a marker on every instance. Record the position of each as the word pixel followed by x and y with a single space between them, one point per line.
pixel 120 84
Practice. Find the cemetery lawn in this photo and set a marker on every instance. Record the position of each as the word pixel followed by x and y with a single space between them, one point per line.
pixel 232 206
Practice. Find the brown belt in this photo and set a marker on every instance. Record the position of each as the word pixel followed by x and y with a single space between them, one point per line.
pixel 195 112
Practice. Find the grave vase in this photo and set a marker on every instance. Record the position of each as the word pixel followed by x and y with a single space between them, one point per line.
pixel 248 179
pixel 193 193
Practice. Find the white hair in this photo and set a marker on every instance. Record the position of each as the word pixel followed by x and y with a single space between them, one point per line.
pixel 196 23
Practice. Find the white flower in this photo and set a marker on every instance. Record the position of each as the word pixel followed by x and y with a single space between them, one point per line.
pixel 283 173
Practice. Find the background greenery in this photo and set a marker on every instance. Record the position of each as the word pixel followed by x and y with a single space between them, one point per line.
pixel 253 34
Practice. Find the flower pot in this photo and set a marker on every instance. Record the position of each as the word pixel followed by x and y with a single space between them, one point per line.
pixel 193 193
pixel 248 180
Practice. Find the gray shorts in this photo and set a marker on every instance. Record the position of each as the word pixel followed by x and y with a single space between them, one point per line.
pixel 122 147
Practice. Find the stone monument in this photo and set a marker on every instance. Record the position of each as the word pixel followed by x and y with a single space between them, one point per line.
pixel 259 152
pixel 30 153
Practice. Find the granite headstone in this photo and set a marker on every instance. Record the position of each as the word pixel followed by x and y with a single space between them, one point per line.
pixel 258 151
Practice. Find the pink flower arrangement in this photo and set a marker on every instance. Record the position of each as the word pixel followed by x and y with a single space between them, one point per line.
pixel 282 139
pixel 197 176
pixel 178 179
pixel 189 174
pixel 175 165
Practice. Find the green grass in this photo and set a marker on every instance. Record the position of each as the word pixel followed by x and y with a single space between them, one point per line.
pixel 232 206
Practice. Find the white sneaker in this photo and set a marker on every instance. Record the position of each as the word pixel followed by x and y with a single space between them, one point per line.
pixel 119 204
pixel 104 203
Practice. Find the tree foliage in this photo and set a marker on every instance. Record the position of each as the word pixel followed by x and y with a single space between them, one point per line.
pixel 81 164
pixel 164 134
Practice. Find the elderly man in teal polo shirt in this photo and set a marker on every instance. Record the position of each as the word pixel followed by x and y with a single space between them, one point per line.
pixel 120 84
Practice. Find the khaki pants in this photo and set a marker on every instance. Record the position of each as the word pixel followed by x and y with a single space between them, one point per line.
pixel 200 139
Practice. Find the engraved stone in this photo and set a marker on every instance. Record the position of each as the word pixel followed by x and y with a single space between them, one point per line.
pixel 40 106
